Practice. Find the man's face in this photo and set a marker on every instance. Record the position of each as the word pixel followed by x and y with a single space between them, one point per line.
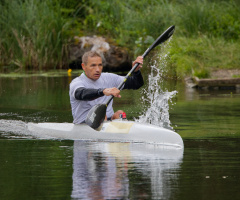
pixel 94 67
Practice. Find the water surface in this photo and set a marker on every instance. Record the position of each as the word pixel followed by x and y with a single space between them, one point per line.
pixel 41 168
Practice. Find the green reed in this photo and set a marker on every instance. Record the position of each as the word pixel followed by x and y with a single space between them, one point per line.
pixel 198 56
pixel 33 35
pixel 218 19
pixel 129 19
pixel 206 36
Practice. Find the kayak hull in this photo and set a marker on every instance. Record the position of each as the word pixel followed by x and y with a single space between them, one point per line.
pixel 115 131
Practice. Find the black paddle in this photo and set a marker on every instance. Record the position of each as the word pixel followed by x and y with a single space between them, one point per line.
pixel 97 113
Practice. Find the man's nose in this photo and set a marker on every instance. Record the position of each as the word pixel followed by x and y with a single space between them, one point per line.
pixel 98 68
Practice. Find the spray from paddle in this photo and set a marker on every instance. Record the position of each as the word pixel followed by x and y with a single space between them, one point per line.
pixel 155 98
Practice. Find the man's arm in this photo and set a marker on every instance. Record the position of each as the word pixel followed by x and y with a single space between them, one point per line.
pixel 135 81
pixel 88 94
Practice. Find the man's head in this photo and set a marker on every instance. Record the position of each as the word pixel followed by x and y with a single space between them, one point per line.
pixel 92 64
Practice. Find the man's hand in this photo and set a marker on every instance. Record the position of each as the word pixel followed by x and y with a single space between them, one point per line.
pixel 138 60
pixel 112 91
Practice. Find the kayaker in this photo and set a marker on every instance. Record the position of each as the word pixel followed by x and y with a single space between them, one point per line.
pixel 92 87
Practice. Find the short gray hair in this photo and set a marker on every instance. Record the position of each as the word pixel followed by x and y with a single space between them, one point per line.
pixel 88 54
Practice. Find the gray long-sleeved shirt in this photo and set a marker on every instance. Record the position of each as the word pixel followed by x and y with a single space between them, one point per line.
pixel 85 93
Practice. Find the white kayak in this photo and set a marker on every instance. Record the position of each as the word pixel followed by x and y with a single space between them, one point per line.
pixel 115 131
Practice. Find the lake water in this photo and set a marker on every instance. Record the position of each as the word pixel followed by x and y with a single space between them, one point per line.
pixel 40 168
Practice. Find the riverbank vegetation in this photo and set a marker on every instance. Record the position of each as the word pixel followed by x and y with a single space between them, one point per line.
pixel 35 34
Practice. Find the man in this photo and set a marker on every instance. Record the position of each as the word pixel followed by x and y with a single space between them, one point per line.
pixel 93 87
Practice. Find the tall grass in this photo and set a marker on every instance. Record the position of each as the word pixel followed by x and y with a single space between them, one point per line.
pixel 206 37
pixel 33 34
pixel 129 22
pixel 200 56
pixel 136 23
pixel 134 18
pixel 215 19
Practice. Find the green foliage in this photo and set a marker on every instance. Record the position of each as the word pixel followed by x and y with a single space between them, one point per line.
pixel 236 76
pixel 202 73
pixel 33 34
pixel 219 19
pixel 128 21
pixel 135 24
pixel 198 56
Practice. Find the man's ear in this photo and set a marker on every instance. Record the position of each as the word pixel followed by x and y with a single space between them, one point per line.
pixel 83 66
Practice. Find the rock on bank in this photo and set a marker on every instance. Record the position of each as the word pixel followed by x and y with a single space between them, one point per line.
pixel 115 59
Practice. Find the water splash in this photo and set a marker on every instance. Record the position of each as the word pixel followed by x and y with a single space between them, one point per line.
pixel 155 98
pixel 13 129
pixel 17 129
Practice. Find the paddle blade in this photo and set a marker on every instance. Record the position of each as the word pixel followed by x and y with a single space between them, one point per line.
pixel 162 38
pixel 96 116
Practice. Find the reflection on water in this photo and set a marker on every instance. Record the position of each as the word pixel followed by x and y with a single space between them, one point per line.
pixel 113 170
